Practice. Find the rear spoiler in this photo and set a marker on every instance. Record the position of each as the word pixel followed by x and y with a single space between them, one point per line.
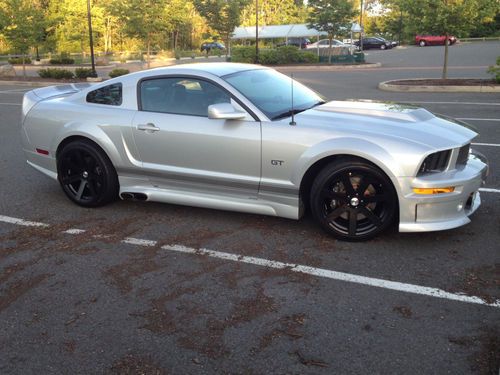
pixel 37 95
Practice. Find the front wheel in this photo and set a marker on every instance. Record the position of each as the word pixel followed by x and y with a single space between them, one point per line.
pixel 353 200
pixel 422 43
pixel 382 47
pixel 86 174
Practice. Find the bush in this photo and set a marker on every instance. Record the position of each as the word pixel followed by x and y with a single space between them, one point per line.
pixel 118 72
pixel 495 70
pixel 84 73
pixel 19 60
pixel 55 73
pixel 277 56
pixel 243 54
pixel 62 61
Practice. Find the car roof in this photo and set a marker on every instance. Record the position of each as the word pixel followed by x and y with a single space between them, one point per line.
pixel 218 69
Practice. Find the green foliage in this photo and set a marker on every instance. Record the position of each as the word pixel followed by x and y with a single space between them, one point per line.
pixel 221 15
pixel 274 12
pixel 55 73
pixel 495 70
pixel 19 60
pixel 277 56
pixel 331 16
pixel 61 61
pixel 84 73
pixel 243 54
pixel 118 72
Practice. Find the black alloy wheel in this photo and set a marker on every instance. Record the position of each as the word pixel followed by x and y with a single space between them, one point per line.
pixel 86 174
pixel 353 200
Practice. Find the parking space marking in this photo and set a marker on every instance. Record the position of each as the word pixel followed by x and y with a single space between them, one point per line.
pixel 139 242
pixel 486 144
pixel 19 104
pixel 335 275
pixel 318 272
pixel 74 231
pixel 477 119
pixel 489 190
pixel 25 223
pixel 459 103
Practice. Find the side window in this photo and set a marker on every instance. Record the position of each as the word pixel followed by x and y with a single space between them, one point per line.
pixel 109 95
pixel 185 96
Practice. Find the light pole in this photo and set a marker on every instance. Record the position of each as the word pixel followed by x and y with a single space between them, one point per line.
pixel 94 73
pixel 256 31
pixel 361 27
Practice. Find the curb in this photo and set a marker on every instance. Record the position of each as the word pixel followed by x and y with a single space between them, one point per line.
pixel 325 67
pixel 388 86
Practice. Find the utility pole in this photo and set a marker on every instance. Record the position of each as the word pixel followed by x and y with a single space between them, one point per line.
pixel 361 27
pixel 94 73
pixel 256 31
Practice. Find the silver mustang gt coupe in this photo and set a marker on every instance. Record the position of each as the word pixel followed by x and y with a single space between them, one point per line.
pixel 229 136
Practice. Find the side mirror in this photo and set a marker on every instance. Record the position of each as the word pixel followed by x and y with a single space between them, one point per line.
pixel 224 111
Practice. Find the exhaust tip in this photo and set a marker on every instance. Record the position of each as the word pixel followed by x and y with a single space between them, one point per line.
pixel 134 196
pixel 127 196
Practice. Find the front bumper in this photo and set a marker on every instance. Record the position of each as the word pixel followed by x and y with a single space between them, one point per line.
pixel 424 213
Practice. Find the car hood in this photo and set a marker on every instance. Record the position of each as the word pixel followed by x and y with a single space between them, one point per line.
pixel 389 121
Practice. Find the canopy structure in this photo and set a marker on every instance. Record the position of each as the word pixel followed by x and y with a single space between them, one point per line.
pixel 276 31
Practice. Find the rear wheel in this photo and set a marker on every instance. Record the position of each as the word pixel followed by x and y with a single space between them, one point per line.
pixel 353 200
pixel 422 43
pixel 86 174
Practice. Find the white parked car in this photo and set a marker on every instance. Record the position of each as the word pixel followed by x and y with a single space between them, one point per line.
pixel 325 43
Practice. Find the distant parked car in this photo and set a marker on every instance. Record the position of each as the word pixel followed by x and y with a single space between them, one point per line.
pixel 392 42
pixel 433 40
pixel 325 43
pixel 208 46
pixel 297 42
pixel 374 42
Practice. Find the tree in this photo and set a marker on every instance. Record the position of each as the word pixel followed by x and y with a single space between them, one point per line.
pixel 221 15
pixel 274 12
pixel 332 17
pixel 22 24
pixel 144 19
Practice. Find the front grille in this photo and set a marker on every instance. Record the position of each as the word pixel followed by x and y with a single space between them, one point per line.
pixel 463 155
pixel 436 162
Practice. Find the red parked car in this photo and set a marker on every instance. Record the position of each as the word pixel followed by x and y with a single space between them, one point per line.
pixel 431 40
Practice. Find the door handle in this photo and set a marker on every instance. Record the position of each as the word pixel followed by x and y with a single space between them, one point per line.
pixel 149 127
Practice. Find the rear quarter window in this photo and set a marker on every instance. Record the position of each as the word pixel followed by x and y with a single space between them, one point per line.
pixel 107 95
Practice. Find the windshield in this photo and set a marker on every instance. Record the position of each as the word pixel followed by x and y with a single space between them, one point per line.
pixel 271 92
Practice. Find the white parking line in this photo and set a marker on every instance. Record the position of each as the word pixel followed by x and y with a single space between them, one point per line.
pixel 477 119
pixel 74 231
pixel 19 104
pixel 488 190
pixel 341 276
pixel 319 272
pixel 25 223
pixel 139 242
pixel 486 144
pixel 459 103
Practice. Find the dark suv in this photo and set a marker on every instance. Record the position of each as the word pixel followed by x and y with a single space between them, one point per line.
pixel 212 45
pixel 297 42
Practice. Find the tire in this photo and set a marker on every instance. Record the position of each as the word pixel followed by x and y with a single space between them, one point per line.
pixel 383 46
pixel 353 200
pixel 422 43
pixel 86 174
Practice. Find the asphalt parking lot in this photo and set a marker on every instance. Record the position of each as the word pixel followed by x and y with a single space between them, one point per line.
pixel 156 288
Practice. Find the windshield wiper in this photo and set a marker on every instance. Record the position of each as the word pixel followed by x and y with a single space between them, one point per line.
pixel 287 113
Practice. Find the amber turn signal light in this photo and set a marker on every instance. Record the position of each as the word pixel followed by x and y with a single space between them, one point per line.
pixel 443 190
